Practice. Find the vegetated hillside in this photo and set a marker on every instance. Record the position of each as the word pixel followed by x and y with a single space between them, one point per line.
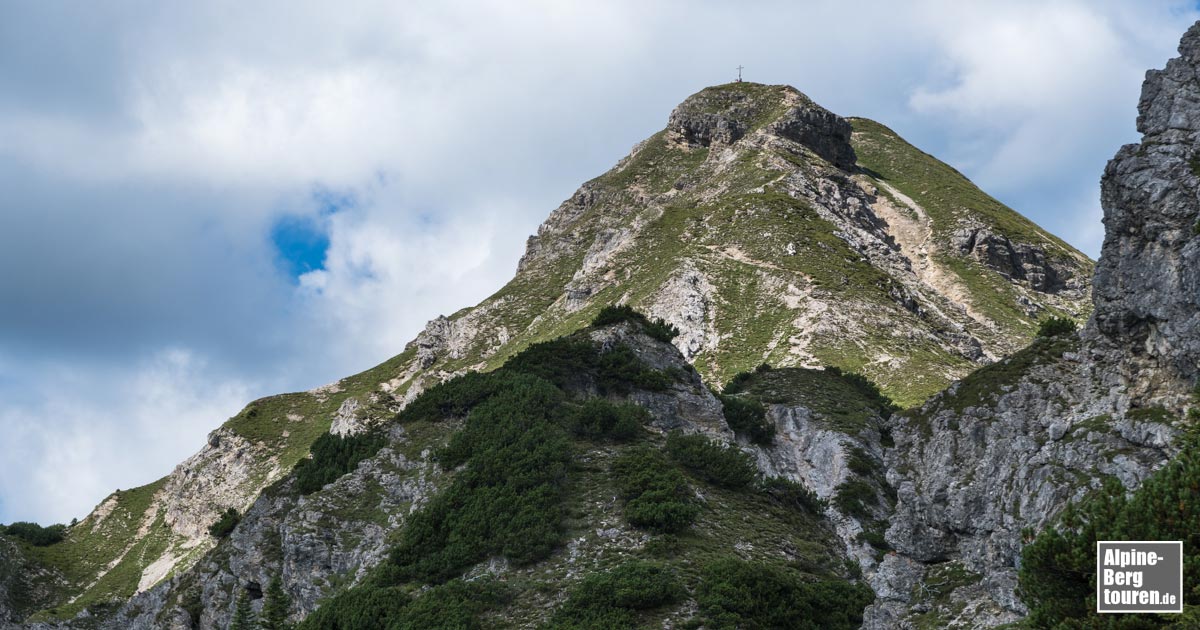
pixel 764 227
pixel 593 481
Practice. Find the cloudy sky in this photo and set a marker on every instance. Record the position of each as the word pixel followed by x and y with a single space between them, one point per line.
pixel 208 202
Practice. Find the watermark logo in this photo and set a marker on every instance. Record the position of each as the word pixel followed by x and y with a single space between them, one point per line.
pixel 1139 576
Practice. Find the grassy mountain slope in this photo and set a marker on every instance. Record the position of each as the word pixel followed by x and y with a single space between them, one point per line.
pixel 761 249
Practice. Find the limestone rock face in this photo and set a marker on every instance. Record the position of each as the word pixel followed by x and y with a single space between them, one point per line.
pixel 24 586
pixel 972 469
pixel 1147 285
pixel 1016 261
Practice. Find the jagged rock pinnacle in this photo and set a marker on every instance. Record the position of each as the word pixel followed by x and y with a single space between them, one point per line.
pixel 1147 283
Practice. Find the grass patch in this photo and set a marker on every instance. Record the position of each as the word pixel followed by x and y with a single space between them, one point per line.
pixel 846 402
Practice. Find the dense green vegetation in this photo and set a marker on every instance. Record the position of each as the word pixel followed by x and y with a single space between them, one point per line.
pixel 741 380
pixel 35 534
pixel 574 363
pixel 657 328
pixel 614 598
pixel 656 495
pixel 455 605
pixel 276 605
pixel 334 456
pixel 748 417
pixel 225 525
pixel 716 463
pixel 1058 569
pixel 533 440
pixel 598 418
pixel 243 615
pixel 507 497
pixel 854 497
pixel 1052 326
pixel 868 390
pixel 737 594
pixel 792 494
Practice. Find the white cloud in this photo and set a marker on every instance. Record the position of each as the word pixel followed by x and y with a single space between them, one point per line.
pixel 76 437
pixel 144 162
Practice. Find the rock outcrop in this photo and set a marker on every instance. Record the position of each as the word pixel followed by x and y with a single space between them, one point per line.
pixel 1147 286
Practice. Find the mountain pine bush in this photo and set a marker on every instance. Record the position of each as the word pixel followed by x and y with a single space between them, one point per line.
pixel 1057 578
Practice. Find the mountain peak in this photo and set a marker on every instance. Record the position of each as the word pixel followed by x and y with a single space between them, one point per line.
pixel 723 114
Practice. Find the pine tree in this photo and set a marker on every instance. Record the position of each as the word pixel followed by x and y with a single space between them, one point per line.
pixel 275 607
pixel 243 615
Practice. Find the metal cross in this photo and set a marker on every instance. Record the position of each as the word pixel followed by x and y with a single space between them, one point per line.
pixel 739 74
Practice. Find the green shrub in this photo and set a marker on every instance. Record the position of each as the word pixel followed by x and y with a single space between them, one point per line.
pixel 572 363
pixel 655 493
pixel 875 538
pixel 725 466
pixel 749 418
pixel 276 606
pixel 225 524
pixel 753 595
pixel 612 599
pixel 597 418
pixel 792 494
pixel 1055 326
pixel 35 534
pixel 658 329
pixel 737 384
pixel 507 498
pixel 860 463
pixel 455 605
pixel 1057 577
pixel 243 615
pixel 334 456
pixel 854 496
pixel 453 398
pixel 366 607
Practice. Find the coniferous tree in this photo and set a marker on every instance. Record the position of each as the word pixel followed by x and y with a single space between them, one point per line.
pixel 243 615
pixel 275 607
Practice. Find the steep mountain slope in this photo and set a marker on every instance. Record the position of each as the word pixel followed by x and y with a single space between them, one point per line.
pixel 764 227
pixel 603 506
pixel 748 224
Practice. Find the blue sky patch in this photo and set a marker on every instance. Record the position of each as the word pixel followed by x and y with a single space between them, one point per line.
pixel 300 244
pixel 301 241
